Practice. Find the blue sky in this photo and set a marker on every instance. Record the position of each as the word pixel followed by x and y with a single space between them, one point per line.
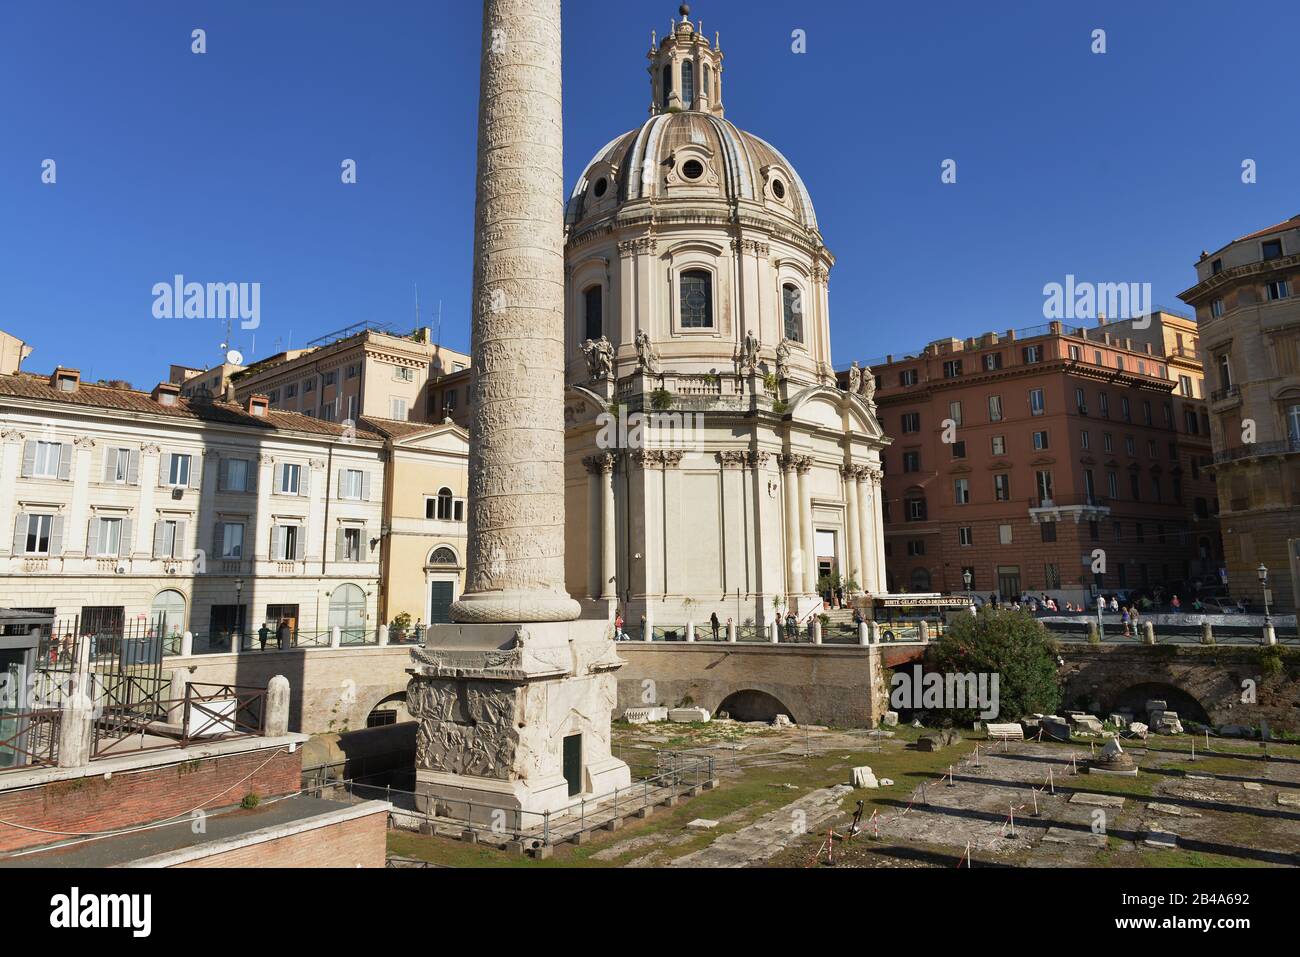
pixel 225 166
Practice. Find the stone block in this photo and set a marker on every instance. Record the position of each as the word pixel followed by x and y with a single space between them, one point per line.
pixel 1097 800
pixel 864 777
pixel 645 715
pixel 889 719
pixel 702 824
pixel 688 715
pixel 1087 722
pixel 1054 728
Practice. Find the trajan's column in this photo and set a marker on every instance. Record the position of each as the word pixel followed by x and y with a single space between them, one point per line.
pixel 514 701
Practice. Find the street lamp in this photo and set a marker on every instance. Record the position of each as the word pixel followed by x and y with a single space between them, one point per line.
pixel 1262 572
pixel 966 579
pixel 238 637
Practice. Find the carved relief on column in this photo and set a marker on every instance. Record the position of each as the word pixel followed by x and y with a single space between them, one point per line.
pixel 733 458
pixel 515 564
pixel 658 458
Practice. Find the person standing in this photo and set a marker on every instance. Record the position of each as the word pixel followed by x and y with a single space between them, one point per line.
pixel 618 625
pixel 717 625
pixel 284 634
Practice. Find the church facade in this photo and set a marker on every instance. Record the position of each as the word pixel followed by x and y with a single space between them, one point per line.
pixel 712 464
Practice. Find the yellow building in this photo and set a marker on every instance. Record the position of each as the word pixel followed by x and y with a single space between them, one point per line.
pixel 422 563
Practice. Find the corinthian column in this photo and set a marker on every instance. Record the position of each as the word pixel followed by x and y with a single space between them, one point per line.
pixel 794 551
pixel 852 530
pixel 516 456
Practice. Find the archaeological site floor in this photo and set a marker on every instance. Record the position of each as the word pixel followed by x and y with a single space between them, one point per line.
pixel 782 789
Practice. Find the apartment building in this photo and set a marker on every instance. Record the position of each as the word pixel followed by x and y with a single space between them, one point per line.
pixel 1022 459
pixel 1248 312
pixel 208 517
pixel 364 371
pixel 203 383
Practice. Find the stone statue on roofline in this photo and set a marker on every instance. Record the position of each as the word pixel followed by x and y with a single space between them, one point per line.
pixel 646 354
pixel 600 358
pixel 868 387
pixel 747 355
pixel 855 378
pixel 783 360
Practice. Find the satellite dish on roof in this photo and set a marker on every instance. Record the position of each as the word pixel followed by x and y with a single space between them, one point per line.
pixel 235 357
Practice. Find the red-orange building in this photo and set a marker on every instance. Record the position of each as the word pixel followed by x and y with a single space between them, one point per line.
pixel 1023 457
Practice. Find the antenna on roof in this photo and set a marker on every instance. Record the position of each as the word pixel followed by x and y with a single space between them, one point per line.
pixel 417 306
pixel 437 336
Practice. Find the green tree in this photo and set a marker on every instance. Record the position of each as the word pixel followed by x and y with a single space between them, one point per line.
pixel 1010 644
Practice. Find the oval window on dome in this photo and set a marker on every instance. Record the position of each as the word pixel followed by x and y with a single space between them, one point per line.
pixel 601 187
pixel 692 169
pixel 778 189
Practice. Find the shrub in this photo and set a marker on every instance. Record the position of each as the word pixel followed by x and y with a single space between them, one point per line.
pixel 1012 645
pixel 250 801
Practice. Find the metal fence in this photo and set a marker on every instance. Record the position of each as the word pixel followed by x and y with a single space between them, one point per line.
pixel 206 712
pixel 496 822
pixel 29 738
pixel 1190 632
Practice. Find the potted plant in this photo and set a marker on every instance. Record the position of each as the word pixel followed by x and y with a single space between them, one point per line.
pixel 399 626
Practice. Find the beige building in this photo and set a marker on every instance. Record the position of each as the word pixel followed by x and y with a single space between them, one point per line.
pixel 412 392
pixel 697 292
pixel 128 509
pixel 203 383
pixel 12 353
pixel 1248 313
pixel 363 371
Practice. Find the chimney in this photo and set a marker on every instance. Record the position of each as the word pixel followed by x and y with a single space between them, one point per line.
pixel 65 380
pixel 165 393
pixel 258 404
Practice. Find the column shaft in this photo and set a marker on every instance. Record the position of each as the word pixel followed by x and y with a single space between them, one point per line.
pixel 853 531
pixel 516 456
pixel 608 558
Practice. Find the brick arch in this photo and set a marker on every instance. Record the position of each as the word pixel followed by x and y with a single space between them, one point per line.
pixel 755 704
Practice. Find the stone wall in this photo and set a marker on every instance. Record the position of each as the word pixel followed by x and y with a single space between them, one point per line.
pixel 830 685
pixel 331 689
pixel 1213 676
pixel 93 802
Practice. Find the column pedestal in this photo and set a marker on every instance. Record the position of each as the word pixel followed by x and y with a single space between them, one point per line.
pixel 495 704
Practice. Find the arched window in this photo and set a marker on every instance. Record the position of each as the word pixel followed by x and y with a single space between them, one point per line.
pixel 348 613
pixel 592 303
pixel 697 299
pixel 920 580
pixel 443 556
pixel 167 616
pixel 1293 422
pixel 792 300
pixel 445 502
pixel 668 84
pixel 688 84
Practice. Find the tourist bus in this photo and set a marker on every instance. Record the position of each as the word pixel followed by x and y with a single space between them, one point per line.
pixel 899 617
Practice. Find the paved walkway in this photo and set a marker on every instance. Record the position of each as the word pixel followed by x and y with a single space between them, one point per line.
pixel 771 833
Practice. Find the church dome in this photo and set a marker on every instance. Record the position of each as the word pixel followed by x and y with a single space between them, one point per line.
pixel 687 149
pixel 691 246
pixel 690 155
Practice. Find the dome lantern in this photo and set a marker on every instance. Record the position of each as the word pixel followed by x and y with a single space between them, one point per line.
pixel 685 70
